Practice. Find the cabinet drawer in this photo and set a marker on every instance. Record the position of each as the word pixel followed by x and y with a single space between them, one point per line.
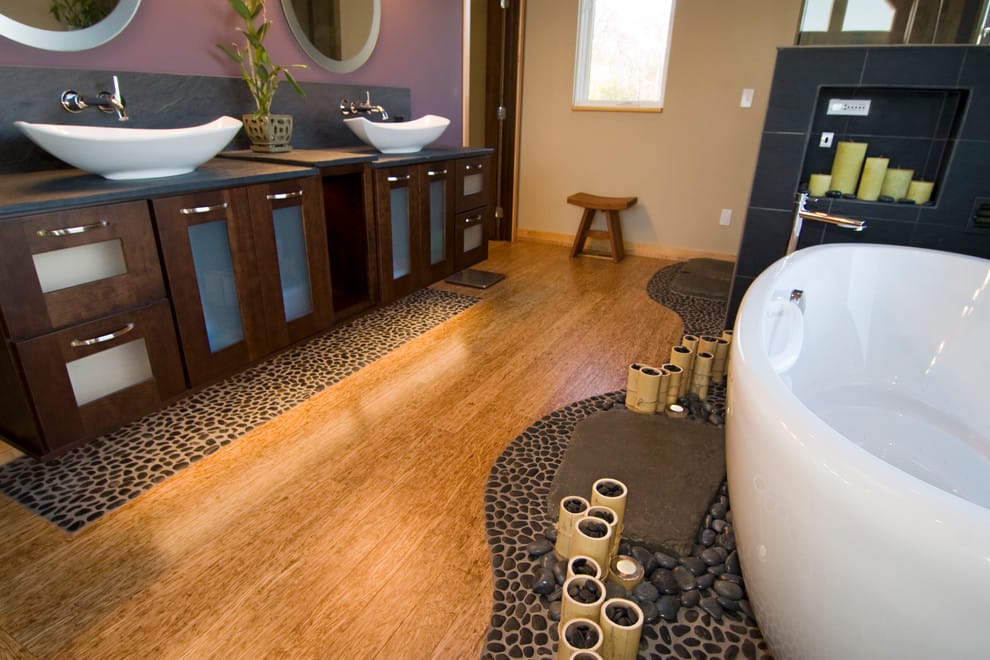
pixel 92 378
pixel 473 182
pixel 471 238
pixel 62 268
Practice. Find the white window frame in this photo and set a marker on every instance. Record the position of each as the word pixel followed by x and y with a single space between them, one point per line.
pixel 582 64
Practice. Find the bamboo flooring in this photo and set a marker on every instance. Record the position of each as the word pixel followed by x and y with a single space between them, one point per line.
pixel 351 526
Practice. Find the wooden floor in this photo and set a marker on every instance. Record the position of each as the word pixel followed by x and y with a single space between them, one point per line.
pixel 350 527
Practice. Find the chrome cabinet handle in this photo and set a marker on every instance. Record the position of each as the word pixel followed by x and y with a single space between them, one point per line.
pixel 473 218
pixel 195 210
pixel 396 179
pixel 468 168
pixel 285 195
pixel 69 231
pixel 436 172
pixel 76 343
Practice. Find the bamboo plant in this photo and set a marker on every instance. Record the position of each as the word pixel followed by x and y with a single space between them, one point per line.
pixel 259 72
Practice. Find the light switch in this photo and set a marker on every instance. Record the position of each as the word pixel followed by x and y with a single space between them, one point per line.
pixel 747 98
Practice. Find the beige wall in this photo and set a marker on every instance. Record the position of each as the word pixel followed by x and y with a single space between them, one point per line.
pixel 685 164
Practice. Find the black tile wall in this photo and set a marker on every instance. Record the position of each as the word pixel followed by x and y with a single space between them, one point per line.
pixel 931 113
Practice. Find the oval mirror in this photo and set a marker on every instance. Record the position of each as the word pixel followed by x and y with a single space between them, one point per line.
pixel 65 25
pixel 338 34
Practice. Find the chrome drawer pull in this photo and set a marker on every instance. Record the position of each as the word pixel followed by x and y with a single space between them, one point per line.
pixel 203 209
pixel 69 231
pixel 473 218
pixel 396 179
pixel 76 343
pixel 285 195
pixel 468 168
pixel 435 172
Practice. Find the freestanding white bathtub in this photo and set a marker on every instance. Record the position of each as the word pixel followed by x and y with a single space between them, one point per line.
pixel 858 453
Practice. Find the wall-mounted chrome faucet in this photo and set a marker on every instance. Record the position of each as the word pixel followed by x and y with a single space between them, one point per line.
pixel 349 108
pixel 801 214
pixel 108 102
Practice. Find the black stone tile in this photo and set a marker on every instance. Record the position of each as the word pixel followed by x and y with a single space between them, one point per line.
pixel 887 232
pixel 764 240
pixel 975 77
pixel 914 66
pixel 797 76
pixel 778 170
pixel 900 112
pixel 739 286
pixel 952 239
pixel 967 177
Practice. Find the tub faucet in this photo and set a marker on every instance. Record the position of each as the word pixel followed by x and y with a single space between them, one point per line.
pixel 108 102
pixel 801 214
pixel 348 108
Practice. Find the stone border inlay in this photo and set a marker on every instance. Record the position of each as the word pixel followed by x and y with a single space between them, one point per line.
pixel 701 316
pixel 85 484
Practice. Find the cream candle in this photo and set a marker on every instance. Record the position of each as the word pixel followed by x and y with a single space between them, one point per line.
pixel 819 184
pixel 872 179
pixel 896 182
pixel 847 165
pixel 920 191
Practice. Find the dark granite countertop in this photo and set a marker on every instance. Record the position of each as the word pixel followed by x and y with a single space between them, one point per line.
pixel 52 190
pixel 351 155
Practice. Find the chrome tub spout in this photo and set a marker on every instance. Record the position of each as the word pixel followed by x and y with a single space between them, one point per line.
pixel 801 214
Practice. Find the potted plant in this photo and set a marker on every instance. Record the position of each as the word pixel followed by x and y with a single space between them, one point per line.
pixel 268 132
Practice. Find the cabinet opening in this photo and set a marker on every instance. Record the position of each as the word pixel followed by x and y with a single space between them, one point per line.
pixel 349 242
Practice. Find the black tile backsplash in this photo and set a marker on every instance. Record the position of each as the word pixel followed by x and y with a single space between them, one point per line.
pixel 166 101
pixel 930 112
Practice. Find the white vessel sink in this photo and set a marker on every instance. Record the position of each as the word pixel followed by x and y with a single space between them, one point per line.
pixel 133 153
pixel 404 137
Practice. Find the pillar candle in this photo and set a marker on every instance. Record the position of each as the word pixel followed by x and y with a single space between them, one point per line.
pixel 895 183
pixel 872 179
pixel 920 191
pixel 847 165
pixel 819 184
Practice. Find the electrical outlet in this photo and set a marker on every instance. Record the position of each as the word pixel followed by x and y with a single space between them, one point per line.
pixel 826 140
pixel 746 100
pixel 849 107
pixel 725 218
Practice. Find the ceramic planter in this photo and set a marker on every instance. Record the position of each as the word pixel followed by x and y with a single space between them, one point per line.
pixel 269 133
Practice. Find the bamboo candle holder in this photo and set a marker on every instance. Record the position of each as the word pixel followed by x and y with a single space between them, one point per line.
pixel 572 509
pixel 584 565
pixel 577 636
pixel 621 621
pixel 674 375
pixel 582 597
pixel 721 356
pixel 608 515
pixel 702 374
pixel 682 357
pixel 648 388
pixel 632 384
pixel 593 538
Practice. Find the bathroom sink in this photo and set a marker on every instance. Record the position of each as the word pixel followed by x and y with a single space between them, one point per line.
pixel 133 153
pixel 403 137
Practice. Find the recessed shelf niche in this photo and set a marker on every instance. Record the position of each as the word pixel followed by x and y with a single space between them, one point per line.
pixel 915 128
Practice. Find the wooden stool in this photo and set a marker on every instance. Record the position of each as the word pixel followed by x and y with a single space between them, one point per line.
pixel 611 207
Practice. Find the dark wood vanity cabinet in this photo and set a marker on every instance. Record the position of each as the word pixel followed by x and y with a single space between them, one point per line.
pixel 248 271
pixel 89 342
pixel 472 226
pixel 432 220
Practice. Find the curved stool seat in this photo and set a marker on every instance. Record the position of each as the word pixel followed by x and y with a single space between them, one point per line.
pixel 610 206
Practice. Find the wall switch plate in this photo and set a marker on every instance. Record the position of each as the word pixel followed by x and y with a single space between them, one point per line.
pixel 826 140
pixel 849 107
pixel 725 218
pixel 747 98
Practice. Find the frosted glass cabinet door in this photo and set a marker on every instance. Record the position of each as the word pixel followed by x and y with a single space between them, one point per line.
pixel 439 221
pixel 293 263
pixel 217 284
pixel 401 246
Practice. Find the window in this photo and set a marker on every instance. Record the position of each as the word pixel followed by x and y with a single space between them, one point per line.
pixel 622 52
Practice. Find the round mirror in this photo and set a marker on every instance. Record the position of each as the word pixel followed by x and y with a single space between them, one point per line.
pixel 65 25
pixel 338 34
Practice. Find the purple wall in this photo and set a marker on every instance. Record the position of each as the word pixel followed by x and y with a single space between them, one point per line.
pixel 419 47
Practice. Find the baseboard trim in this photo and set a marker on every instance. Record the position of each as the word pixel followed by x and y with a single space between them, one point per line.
pixel 666 252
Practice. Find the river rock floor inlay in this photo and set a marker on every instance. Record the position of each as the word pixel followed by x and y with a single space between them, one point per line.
pixel 86 483
pixel 706 625
pixel 701 316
